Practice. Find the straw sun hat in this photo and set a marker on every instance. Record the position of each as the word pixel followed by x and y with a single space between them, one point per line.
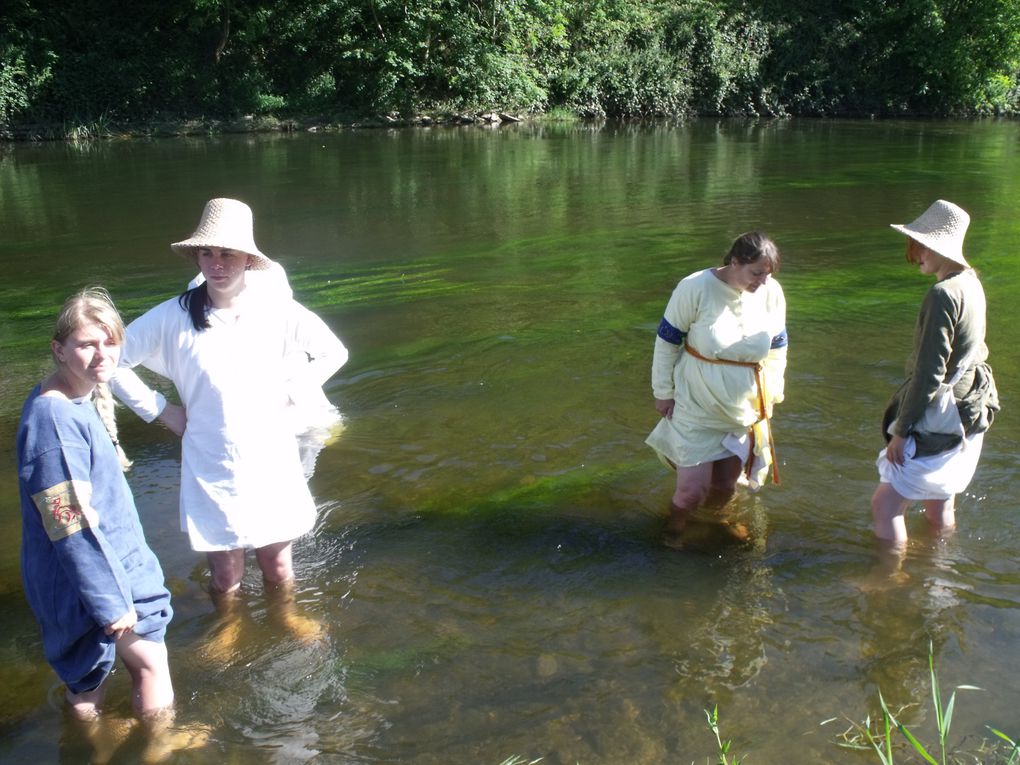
pixel 940 228
pixel 225 223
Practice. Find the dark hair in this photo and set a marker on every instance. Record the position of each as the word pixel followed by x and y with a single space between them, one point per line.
pixel 195 301
pixel 752 247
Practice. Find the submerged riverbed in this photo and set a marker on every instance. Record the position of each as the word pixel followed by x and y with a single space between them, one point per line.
pixel 488 558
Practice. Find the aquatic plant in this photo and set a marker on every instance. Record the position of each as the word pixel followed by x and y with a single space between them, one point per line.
pixel 724 746
pixel 860 735
pixel 1014 753
pixel 88 129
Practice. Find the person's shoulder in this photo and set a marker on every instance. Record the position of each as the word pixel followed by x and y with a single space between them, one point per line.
pixel 953 288
pixel 774 289
pixel 50 419
pixel 270 282
pixel 695 282
pixel 53 407
pixel 696 276
pixel 168 310
pixel 41 407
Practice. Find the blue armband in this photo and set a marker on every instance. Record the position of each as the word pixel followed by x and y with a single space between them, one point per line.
pixel 670 334
pixel 781 340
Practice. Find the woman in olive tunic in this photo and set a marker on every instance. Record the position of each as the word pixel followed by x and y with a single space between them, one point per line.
pixel 931 459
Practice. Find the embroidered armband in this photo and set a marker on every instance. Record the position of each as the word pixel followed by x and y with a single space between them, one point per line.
pixel 781 340
pixel 670 334
pixel 65 509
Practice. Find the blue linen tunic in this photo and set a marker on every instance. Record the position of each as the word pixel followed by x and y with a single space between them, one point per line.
pixel 84 559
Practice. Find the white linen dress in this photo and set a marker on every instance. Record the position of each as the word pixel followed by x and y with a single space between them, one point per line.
pixel 949 339
pixel 716 403
pixel 242 483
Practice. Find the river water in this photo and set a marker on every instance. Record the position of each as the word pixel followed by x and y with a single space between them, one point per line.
pixel 488 558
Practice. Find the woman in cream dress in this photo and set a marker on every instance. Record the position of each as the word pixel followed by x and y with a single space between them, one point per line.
pixel 717 371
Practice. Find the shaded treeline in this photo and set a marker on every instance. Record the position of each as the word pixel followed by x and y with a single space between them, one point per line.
pixel 77 61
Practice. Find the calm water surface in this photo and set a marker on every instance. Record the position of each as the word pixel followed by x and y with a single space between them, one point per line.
pixel 488 557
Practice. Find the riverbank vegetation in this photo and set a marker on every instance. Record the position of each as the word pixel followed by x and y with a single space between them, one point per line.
pixel 91 64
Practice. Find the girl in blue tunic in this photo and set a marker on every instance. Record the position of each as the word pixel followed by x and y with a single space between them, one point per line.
pixel 92 582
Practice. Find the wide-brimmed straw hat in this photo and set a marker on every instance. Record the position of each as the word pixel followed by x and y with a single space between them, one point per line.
pixel 225 223
pixel 940 228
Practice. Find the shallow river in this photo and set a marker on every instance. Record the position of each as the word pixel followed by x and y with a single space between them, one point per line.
pixel 488 557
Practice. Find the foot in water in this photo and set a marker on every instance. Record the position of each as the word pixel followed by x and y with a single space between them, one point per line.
pixel 222 646
pixel 106 735
pixel 283 604
pixel 709 535
pixel 167 740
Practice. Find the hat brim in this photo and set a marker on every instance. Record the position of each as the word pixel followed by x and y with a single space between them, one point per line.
pixel 946 249
pixel 187 247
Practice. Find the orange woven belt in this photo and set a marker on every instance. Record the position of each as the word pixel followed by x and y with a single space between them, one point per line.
pixel 759 382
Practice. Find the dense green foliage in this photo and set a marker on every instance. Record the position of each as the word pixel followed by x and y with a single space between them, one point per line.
pixel 85 60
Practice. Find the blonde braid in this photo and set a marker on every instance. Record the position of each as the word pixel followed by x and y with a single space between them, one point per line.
pixel 93 305
pixel 102 397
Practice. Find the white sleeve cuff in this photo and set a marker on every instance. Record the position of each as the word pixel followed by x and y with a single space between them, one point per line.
pixel 136 395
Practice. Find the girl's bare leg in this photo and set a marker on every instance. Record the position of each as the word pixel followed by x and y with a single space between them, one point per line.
pixel 692 487
pixel 87 705
pixel 941 514
pixel 104 733
pixel 277 564
pixel 153 699
pixel 283 602
pixel 725 473
pixel 887 509
pixel 147 663
pixel 227 569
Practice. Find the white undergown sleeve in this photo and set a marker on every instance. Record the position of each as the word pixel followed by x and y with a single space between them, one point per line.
pixel 143 343
pixel 664 359
pixel 314 355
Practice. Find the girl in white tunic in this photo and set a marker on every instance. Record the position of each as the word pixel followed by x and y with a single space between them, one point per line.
pixel 717 371
pixel 315 420
pixel 933 450
pixel 231 355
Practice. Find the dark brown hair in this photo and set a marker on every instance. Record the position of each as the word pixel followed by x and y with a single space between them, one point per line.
pixel 752 247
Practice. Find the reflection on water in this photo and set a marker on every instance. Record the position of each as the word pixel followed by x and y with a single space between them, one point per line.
pixel 488 559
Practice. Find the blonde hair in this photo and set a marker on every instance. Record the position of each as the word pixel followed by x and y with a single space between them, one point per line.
pixel 93 305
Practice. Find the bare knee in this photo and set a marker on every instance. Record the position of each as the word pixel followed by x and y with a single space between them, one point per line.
pixel 148 665
pixel 276 562
pixel 885 501
pixel 227 569
pixel 940 513
pixel 689 497
pixel 87 705
pixel 887 508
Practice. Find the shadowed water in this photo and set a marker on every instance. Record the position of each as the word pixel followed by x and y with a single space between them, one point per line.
pixel 489 557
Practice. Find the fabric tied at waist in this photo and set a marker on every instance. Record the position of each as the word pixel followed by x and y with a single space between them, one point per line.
pixel 763 411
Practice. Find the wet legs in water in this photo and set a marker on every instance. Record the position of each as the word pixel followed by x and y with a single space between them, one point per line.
pixel 888 507
pixel 152 701
pixel 276 563
pixel 710 483
pixel 277 567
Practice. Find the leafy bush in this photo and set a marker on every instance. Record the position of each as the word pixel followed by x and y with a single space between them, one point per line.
pixel 84 60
